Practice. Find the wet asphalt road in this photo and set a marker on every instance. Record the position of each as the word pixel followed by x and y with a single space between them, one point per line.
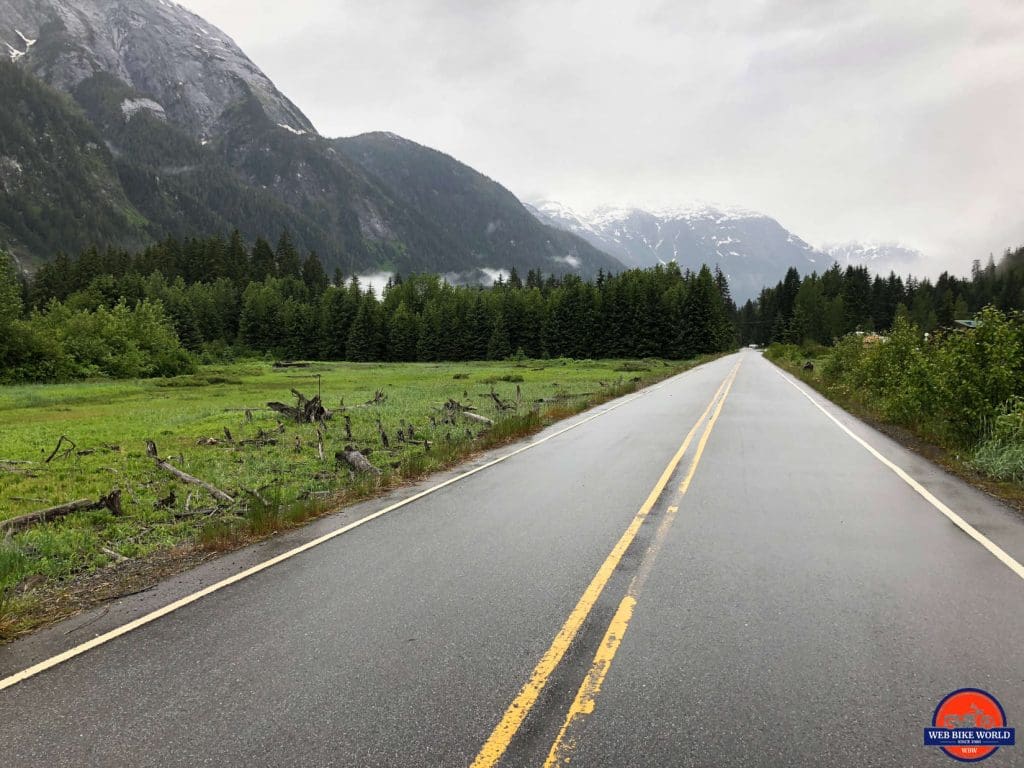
pixel 806 607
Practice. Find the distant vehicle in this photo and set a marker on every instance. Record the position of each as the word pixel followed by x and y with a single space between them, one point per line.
pixel 752 346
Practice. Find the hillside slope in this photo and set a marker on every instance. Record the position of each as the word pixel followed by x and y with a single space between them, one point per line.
pixel 201 141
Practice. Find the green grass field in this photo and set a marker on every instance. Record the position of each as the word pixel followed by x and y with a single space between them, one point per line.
pixel 109 422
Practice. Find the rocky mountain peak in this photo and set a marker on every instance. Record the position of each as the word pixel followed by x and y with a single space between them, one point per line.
pixel 189 68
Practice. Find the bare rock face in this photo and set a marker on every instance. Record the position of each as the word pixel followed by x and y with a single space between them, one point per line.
pixel 191 69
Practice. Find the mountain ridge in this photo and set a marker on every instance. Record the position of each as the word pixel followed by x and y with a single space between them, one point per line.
pixel 752 248
pixel 200 140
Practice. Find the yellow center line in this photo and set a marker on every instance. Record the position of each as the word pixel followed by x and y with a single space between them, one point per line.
pixel 586 696
pixel 500 738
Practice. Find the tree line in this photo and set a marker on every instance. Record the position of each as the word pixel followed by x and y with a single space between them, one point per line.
pixel 822 308
pixel 218 297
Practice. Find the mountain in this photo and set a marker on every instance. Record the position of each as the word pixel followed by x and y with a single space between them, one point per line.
pixel 752 249
pixel 477 211
pixel 59 186
pixel 188 68
pixel 182 134
pixel 881 258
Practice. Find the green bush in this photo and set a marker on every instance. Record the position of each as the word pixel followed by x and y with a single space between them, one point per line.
pixel 121 342
pixel 1001 455
pixel 948 387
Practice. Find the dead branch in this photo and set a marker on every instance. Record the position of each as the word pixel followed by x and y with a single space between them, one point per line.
pixel 258 496
pixel 356 460
pixel 502 405
pixel 378 398
pixel 183 476
pixel 112 501
pixel 168 502
pixel 63 439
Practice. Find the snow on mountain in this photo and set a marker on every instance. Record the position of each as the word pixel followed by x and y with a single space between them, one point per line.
pixel 879 257
pixel 157 47
pixel 753 250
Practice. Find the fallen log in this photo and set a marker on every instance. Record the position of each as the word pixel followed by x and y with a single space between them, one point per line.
pixel 286 410
pixel 356 460
pixel 502 405
pixel 217 493
pixel 477 418
pixel 112 502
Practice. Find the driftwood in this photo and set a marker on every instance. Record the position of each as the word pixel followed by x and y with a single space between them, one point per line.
pixel 117 557
pixel 112 501
pixel 356 460
pixel 217 493
pixel 63 439
pixel 502 405
pixel 308 410
pixel 167 503
pixel 454 407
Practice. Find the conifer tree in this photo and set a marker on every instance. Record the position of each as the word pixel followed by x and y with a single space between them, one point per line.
pixel 264 263
pixel 287 257
pixel 498 347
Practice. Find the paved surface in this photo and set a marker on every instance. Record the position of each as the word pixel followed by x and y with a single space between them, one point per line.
pixel 799 605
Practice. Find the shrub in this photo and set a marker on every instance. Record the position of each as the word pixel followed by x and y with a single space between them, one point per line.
pixel 1001 455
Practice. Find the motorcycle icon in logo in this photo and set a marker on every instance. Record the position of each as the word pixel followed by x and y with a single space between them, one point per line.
pixel 976 718
pixel 969 725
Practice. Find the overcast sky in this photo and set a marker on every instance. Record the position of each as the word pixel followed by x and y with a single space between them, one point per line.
pixel 845 120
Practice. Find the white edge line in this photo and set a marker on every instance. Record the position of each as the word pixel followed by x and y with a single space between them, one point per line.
pixel 958 521
pixel 159 613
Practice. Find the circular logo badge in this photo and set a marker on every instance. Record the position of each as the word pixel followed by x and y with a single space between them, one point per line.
pixel 968 711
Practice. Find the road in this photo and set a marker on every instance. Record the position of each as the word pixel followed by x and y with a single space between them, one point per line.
pixel 712 572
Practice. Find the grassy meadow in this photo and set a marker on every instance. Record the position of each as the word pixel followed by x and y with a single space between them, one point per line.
pixel 274 486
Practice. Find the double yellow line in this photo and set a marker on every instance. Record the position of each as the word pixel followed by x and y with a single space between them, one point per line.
pixel 501 737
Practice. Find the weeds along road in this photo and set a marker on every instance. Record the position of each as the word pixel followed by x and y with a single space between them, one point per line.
pixel 713 573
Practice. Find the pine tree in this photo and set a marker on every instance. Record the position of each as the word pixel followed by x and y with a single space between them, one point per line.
pixel 263 261
pixel 363 337
pixel 498 347
pixel 288 262
pixel 313 275
pixel 404 334
pixel 479 327
pixel 236 259
pixel 514 281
